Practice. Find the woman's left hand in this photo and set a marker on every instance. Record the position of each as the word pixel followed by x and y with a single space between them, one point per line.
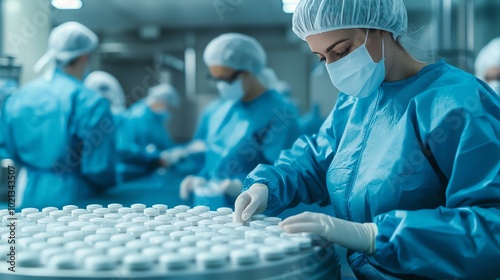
pixel 355 236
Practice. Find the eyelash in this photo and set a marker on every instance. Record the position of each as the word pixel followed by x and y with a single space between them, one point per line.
pixel 342 54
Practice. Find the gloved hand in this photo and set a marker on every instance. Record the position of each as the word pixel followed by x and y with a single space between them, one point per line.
pixel 250 202
pixel 355 236
pixel 188 185
pixel 172 156
pixel 231 187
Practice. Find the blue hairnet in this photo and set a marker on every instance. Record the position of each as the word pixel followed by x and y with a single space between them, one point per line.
pixel 164 93
pixel 109 87
pixel 236 51
pixel 488 57
pixel 317 16
pixel 67 42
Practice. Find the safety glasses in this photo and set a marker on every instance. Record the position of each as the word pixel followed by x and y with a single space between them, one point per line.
pixel 228 80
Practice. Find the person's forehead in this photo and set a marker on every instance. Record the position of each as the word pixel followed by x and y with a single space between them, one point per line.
pixel 325 39
pixel 221 71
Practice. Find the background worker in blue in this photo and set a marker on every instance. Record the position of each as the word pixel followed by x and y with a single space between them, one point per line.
pixel 408 159
pixel 143 135
pixel 251 123
pixel 488 64
pixel 109 87
pixel 60 131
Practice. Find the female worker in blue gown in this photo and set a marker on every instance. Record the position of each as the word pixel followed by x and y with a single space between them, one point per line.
pixel 249 125
pixel 61 132
pixel 408 160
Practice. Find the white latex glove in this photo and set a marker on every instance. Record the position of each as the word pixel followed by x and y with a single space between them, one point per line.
pixel 188 185
pixel 250 202
pixel 231 187
pixel 172 156
pixel 355 236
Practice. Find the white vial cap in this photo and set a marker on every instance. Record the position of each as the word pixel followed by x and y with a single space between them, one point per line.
pixel 274 221
pixel 220 220
pixel 78 212
pixel 130 216
pixel 151 225
pixel 151 212
pixel 86 217
pixel 258 217
pixel 176 235
pixel 57 241
pixel 57 214
pixel 66 219
pixel 159 239
pixel 205 223
pixel 26 211
pixel 136 231
pixel 75 245
pixel 101 211
pixel 138 262
pixel 194 220
pixel 225 211
pixel 124 210
pixel 94 238
pixel 182 224
pixel 122 227
pixel 209 215
pixel 108 231
pixel 154 252
pixel 114 207
pixel 165 219
pixel 289 247
pixel 271 253
pixel 137 245
pixel 167 229
pixel 172 246
pixel 138 207
pixel 74 235
pixel 190 240
pixel 78 224
pixel 121 238
pixel 189 252
pixel 182 216
pixel 182 208
pixel 304 242
pixel 112 216
pixel 100 263
pixel 47 210
pixel 210 260
pixel 34 217
pixel 92 207
pixel 140 220
pixel 147 235
pixel 89 230
pixel 244 257
pixel 173 212
pixel 106 245
pixel 174 261
pixel 69 208
pixel 161 207
pixel 64 261
pixel 44 235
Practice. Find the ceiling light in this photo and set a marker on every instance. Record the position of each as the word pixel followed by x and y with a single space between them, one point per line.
pixel 67 4
pixel 289 6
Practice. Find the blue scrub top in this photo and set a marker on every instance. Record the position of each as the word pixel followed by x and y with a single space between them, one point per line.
pixel 421 159
pixel 142 136
pixel 240 135
pixel 64 135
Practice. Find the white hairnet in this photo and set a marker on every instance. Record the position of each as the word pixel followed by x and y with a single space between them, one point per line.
pixel 317 16
pixel 236 51
pixel 164 93
pixel 488 57
pixel 67 42
pixel 109 87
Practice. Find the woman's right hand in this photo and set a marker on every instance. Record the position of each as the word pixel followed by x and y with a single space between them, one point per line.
pixel 250 202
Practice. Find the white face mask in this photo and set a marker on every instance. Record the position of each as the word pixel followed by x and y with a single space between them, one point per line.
pixel 233 91
pixel 357 74
pixel 495 85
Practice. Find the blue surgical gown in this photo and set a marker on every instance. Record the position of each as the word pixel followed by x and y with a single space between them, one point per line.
pixel 142 136
pixel 311 122
pixel 64 136
pixel 421 159
pixel 240 135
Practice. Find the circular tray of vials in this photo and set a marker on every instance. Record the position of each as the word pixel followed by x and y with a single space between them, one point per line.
pixel 158 242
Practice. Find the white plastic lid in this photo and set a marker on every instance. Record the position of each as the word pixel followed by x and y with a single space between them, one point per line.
pixel 69 208
pixel 92 207
pixel 136 231
pixel 138 207
pixel 100 263
pixel 151 212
